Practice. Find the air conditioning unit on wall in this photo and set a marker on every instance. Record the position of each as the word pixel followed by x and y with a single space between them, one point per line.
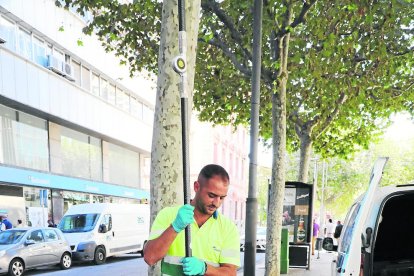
pixel 55 64
pixel 68 71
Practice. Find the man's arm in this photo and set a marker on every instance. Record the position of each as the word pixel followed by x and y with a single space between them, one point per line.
pixel 157 248
pixel 224 269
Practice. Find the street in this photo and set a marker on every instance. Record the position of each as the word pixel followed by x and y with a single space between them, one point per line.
pixel 128 264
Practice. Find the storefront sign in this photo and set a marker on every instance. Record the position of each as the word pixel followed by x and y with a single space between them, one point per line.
pixel 52 181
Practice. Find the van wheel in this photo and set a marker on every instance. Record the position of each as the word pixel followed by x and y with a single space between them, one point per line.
pixel 16 267
pixel 65 261
pixel 100 255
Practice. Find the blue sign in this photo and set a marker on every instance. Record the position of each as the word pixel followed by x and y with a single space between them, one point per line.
pixel 52 181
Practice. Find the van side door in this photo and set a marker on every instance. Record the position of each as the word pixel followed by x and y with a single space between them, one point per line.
pixel 106 233
pixel 349 259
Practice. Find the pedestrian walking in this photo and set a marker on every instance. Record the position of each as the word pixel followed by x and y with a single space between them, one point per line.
pixel 8 225
pixel 215 241
pixel 314 235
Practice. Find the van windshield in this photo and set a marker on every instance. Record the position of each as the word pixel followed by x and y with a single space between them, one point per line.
pixel 78 223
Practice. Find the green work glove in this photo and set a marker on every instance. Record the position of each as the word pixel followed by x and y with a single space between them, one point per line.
pixel 184 217
pixel 193 266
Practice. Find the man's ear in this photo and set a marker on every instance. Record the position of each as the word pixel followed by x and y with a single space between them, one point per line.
pixel 196 186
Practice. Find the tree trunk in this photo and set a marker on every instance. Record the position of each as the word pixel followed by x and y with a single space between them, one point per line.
pixel 274 219
pixel 305 153
pixel 166 178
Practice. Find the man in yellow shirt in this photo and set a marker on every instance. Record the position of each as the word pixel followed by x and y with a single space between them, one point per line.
pixel 215 241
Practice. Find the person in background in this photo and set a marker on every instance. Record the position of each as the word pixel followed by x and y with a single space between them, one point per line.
pixel 314 235
pixel 19 223
pixel 6 222
pixel 50 223
pixel 215 241
pixel 329 229
pixel 338 229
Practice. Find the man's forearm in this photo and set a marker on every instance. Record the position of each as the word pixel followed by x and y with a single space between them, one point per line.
pixel 229 270
pixel 156 249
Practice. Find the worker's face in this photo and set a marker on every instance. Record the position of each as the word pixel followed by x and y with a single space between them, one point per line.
pixel 210 193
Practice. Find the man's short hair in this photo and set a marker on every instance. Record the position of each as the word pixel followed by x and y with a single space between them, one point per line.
pixel 212 170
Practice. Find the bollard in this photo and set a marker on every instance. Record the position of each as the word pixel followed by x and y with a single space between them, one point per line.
pixel 284 252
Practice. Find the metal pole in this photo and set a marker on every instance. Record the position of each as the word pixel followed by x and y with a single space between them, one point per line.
pixel 321 211
pixel 179 65
pixel 251 204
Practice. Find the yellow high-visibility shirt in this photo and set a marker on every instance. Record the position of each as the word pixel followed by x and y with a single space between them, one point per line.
pixel 216 242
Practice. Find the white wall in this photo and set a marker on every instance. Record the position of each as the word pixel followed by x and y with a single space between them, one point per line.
pixel 30 84
pixel 46 18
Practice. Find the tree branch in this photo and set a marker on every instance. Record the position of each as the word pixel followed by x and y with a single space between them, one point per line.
pixel 341 100
pixel 298 20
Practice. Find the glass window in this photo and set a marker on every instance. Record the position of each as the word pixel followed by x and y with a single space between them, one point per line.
pixel 50 235
pixel 86 78
pixel 11 237
pixel 111 94
pixel 122 99
pixel 78 223
pixel 8 33
pixel 39 52
pixel 123 166
pixel 59 54
pixel 104 89
pixel 23 140
pixel 148 115
pixel 76 72
pixel 36 236
pixel 136 108
pixel 81 154
pixel 24 45
pixel 95 84
pixel 107 221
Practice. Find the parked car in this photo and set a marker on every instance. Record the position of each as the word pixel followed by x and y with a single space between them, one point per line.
pixel 25 248
pixel 377 237
pixel 100 230
pixel 260 239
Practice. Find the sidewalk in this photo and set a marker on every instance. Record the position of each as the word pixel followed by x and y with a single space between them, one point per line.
pixel 318 267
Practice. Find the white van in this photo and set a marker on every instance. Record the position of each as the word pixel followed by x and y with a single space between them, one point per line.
pixel 100 230
pixel 377 236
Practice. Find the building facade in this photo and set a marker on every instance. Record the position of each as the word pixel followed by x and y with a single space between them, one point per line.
pixel 227 147
pixel 71 131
